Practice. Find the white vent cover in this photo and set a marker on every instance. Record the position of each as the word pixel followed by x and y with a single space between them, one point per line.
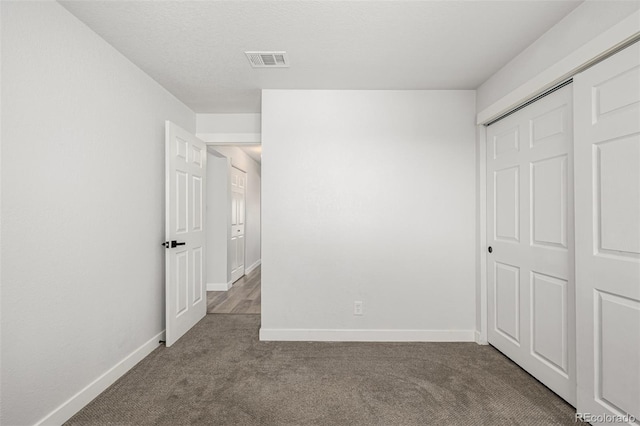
pixel 268 59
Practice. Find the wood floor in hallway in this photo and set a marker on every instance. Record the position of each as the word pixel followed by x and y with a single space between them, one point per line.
pixel 242 298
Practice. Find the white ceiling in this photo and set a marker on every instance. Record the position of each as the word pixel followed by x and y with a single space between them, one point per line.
pixel 195 48
pixel 253 151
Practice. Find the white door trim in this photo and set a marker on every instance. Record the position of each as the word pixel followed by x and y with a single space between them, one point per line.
pixel 617 36
pixel 222 139
pixel 481 281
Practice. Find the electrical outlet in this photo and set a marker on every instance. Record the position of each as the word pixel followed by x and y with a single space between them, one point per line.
pixel 357 308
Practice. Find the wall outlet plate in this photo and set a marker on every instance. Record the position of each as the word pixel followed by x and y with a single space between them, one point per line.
pixel 357 308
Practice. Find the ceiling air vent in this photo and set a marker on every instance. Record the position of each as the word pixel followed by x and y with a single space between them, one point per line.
pixel 268 59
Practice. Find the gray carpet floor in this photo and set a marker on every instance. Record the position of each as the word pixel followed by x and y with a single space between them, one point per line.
pixel 220 374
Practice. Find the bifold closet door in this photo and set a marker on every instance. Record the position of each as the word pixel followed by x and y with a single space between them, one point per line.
pixel 530 274
pixel 607 194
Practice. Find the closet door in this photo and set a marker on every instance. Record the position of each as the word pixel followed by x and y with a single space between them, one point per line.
pixel 607 195
pixel 530 274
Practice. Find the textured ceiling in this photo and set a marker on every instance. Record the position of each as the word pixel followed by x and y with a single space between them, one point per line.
pixel 195 48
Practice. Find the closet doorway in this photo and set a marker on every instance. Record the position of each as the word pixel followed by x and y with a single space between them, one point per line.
pixel 563 279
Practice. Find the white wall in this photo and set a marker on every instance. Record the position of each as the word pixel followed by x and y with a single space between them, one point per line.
pixel 218 222
pixel 252 229
pixel 228 123
pixel 583 24
pixel 369 196
pixel 82 209
pixel 229 128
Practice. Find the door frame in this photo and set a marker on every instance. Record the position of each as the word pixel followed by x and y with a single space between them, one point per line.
pixel 621 35
pixel 244 205
pixel 482 304
pixel 214 141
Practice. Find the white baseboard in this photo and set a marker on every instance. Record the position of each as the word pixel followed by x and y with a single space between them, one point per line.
pixel 319 335
pixel 74 404
pixel 252 267
pixel 479 340
pixel 227 286
pixel 219 286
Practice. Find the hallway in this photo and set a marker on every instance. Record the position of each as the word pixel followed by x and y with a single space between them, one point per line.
pixel 242 298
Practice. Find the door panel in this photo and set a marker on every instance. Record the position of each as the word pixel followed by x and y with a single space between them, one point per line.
pixel 234 208
pixel 619 319
pixel 234 251
pixel 507 204
pixel 507 141
pixel 240 253
pixel 182 281
pixel 197 291
pixel 530 271
pixel 238 188
pixel 550 321
pixel 196 203
pixel 185 186
pixel 182 188
pixel 618 199
pixel 607 170
pixel 549 202
pixel 507 301
pixel 549 127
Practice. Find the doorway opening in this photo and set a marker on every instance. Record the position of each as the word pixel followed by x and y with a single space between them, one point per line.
pixel 233 229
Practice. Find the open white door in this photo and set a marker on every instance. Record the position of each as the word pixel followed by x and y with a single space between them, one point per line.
pixel 185 174
pixel 607 199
